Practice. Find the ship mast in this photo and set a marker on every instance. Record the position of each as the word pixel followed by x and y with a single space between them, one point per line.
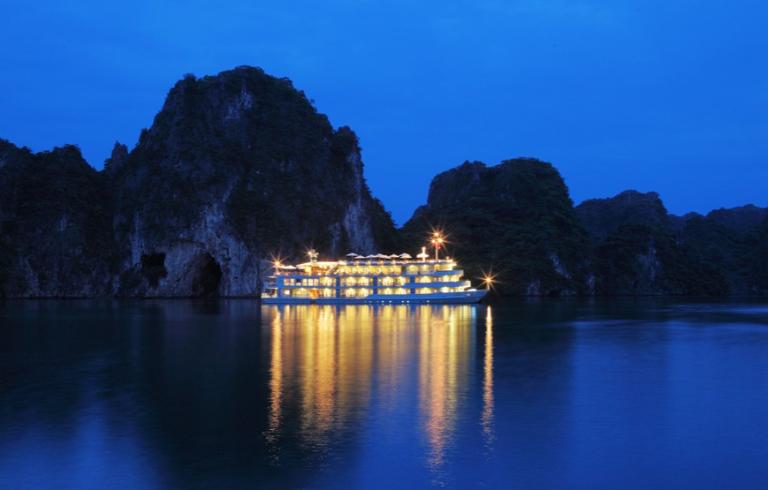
pixel 437 242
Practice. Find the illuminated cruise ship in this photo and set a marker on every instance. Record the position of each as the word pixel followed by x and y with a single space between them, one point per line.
pixel 371 279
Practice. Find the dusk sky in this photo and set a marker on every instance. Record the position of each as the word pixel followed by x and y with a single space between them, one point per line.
pixel 670 96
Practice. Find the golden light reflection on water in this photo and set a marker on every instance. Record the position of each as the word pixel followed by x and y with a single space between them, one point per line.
pixel 329 364
pixel 444 348
pixel 275 377
pixel 487 418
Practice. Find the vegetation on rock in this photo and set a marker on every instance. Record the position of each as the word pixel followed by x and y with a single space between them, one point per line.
pixel 514 219
pixel 641 249
pixel 54 224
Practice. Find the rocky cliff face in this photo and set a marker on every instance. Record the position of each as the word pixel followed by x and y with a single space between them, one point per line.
pixel 641 249
pixel 515 218
pixel 734 242
pixel 602 217
pixel 634 248
pixel 742 219
pixel 54 225
pixel 235 168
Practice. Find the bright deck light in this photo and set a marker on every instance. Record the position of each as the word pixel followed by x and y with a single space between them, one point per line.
pixel 277 262
pixel 488 280
pixel 437 241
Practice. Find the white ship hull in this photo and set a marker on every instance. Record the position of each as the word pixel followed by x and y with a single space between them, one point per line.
pixel 462 297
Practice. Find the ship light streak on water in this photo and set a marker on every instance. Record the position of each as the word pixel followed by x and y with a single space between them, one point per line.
pixel 487 417
pixel 331 359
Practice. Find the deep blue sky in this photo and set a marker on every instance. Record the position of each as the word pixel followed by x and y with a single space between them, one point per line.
pixel 670 96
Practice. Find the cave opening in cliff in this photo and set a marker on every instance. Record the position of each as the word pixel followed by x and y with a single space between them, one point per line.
pixel 153 267
pixel 207 277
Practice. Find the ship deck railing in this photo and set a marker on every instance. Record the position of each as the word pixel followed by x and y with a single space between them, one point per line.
pixel 451 272
pixel 408 285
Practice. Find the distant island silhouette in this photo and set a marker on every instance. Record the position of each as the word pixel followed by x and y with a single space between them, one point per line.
pixel 240 166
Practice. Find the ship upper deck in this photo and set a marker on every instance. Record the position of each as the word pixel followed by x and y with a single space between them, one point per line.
pixel 369 268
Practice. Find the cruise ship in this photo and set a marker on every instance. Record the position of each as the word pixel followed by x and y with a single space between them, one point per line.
pixel 375 278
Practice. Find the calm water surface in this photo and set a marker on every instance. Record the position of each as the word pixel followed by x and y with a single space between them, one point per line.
pixel 231 394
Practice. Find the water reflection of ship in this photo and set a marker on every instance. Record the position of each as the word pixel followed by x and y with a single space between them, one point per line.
pixel 487 417
pixel 321 367
pixel 330 364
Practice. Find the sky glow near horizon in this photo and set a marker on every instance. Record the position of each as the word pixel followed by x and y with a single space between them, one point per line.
pixel 658 96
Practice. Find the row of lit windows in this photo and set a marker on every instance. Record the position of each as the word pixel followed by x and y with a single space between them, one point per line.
pixel 392 269
pixel 393 281
pixel 359 292
pixel 394 291
pixel 357 281
pixel 310 281
pixel 310 293
pixel 369 269
pixel 429 279
pixel 419 290
pixel 366 281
